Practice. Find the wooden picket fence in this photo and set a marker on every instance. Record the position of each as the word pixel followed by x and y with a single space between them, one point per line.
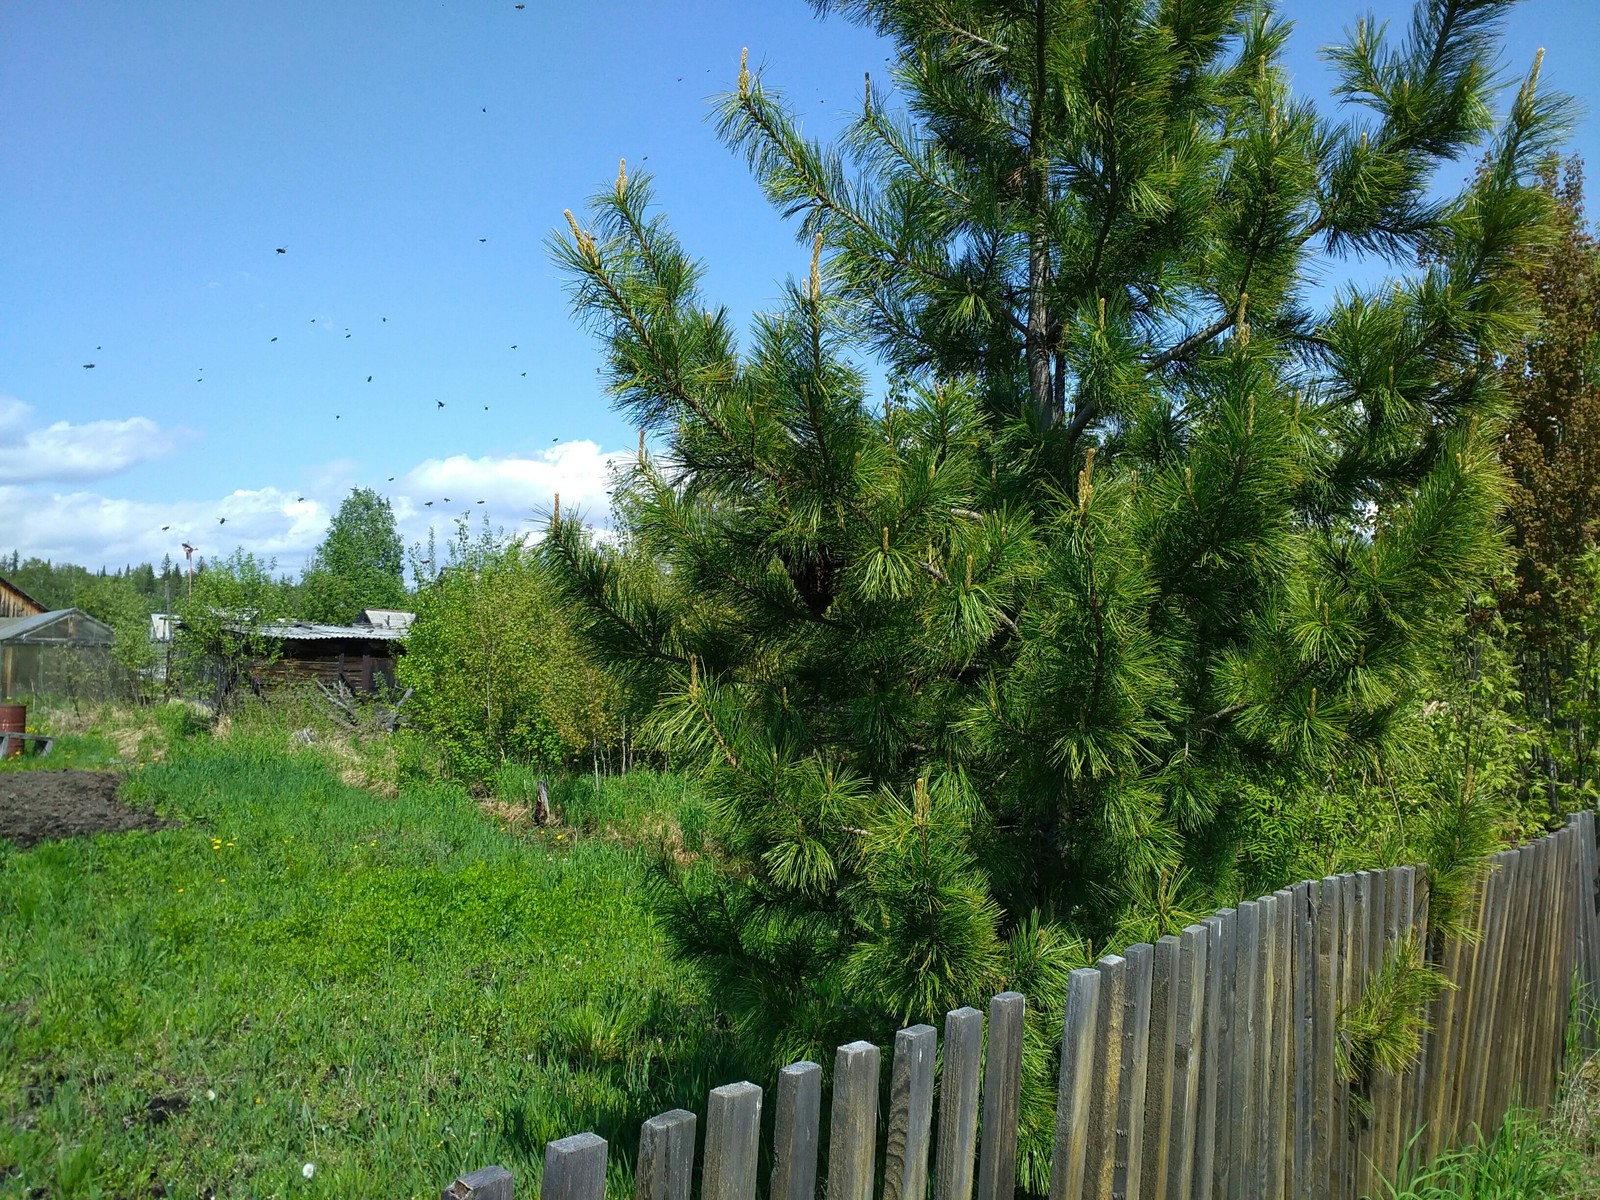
pixel 1202 1067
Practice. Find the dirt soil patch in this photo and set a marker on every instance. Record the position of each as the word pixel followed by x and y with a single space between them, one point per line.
pixel 37 806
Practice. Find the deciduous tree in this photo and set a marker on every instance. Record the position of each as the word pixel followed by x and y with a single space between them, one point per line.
pixel 360 563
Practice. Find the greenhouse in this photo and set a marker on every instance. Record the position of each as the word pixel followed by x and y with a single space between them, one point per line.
pixel 66 653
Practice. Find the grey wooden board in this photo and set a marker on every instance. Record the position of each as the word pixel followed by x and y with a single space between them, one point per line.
pixel 1079 1026
pixel 1470 1058
pixel 1159 1074
pixel 1397 925
pixel 1558 968
pixel 1584 885
pixel 665 1168
pixel 1432 1101
pixel 1269 991
pixel 1241 1092
pixel 1189 997
pixel 1280 1143
pixel 574 1168
pixel 1324 1026
pixel 853 1125
pixel 486 1183
pixel 1520 1087
pixel 1589 923
pixel 1352 910
pixel 958 1104
pixel 1411 1104
pixel 1591 903
pixel 1509 992
pixel 905 1159
pixel 1210 1128
pixel 733 1131
pixel 1540 1054
pixel 1303 1010
pixel 1002 1098
pixel 1101 1155
pixel 797 1122
pixel 1586 946
pixel 1494 981
pixel 1563 961
pixel 1376 905
pixel 1460 1116
pixel 1135 1064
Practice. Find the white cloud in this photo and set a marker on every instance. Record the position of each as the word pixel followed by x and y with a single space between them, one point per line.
pixel 97 530
pixel 286 523
pixel 514 488
pixel 67 452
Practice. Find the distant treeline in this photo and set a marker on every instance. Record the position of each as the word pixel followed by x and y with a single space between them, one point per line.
pixel 58 584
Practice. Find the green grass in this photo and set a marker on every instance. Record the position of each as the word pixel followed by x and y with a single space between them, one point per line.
pixel 304 972
pixel 1524 1159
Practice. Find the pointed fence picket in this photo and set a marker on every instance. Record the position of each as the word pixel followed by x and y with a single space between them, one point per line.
pixel 1203 1067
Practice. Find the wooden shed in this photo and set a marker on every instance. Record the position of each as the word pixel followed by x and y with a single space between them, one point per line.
pixel 360 656
pixel 14 602
pixel 63 653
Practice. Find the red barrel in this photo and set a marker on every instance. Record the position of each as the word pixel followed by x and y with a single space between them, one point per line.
pixel 14 719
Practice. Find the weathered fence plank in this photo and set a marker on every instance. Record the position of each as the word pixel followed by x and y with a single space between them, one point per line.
pixel 1101 1157
pixel 486 1183
pixel 1241 1149
pixel 1589 910
pixel 1135 1063
pixel 1074 1097
pixel 1002 1096
pixel 796 1128
pixel 1411 1094
pixel 1264 1161
pixel 1567 963
pixel 1324 1023
pixel 665 1168
pixel 1352 977
pixel 1302 1005
pixel 1211 1134
pixel 853 1127
pixel 905 1165
pixel 1372 959
pixel 1207 1066
pixel 1158 1077
pixel 1280 1075
pixel 1188 1002
pixel 574 1169
pixel 958 1104
pixel 1482 1050
pixel 733 1131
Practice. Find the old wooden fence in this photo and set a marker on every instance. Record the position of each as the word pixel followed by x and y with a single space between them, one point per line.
pixel 1202 1067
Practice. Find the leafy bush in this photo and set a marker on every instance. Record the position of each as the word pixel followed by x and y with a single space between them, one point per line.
pixel 497 675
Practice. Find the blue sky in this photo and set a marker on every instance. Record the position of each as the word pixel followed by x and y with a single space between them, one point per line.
pixel 411 159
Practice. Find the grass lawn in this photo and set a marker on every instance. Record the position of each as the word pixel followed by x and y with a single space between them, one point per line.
pixel 303 971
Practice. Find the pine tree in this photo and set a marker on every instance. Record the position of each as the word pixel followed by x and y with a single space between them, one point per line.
pixel 975 672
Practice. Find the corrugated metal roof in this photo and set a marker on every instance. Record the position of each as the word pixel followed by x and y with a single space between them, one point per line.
pixel 306 631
